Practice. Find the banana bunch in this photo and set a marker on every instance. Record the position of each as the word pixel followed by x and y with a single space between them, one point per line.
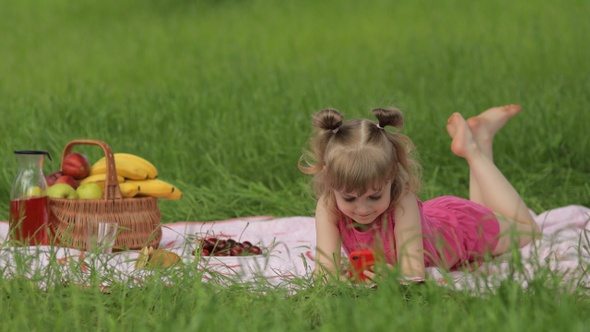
pixel 128 165
pixel 136 177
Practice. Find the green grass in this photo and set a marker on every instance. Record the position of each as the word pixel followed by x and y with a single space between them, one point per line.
pixel 219 95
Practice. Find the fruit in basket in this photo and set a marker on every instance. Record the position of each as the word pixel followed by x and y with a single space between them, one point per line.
pixel 124 167
pixel 99 178
pixel 176 194
pixel 76 165
pixel 89 191
pixel 155 188
pixel 50 179
pixel 69 180
pixel 62 190
pixel 150 169
pixel 139 177
pixel 128 190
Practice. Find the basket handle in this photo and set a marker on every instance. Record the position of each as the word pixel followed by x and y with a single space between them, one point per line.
pixel 111 187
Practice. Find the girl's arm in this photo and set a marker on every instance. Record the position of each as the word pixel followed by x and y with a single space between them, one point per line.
pixel 408 237
pixel 328 241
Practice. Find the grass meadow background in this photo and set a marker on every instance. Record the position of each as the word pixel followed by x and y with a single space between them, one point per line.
pixel 219 96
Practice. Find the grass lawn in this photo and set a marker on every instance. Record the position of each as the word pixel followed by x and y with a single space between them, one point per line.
pixel 218 94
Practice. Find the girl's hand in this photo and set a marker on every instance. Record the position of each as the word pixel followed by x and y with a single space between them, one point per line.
pixel 411 280
pixel 373 276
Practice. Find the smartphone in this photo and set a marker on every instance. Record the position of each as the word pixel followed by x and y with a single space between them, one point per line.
pixel 360 261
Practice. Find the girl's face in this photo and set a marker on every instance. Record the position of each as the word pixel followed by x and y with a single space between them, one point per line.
pixel 366 208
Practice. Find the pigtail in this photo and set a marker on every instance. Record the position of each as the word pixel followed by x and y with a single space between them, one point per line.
pixel 407 172
pixel 326 123
pixel 328 119
pixel 389 117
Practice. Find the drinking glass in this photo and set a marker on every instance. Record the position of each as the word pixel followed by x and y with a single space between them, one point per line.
pixel 101 236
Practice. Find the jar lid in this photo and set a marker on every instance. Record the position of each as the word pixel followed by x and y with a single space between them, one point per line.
pixel 33 152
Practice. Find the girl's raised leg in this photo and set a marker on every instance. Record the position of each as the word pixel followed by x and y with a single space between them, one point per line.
pixel 484 128
pixel 491 188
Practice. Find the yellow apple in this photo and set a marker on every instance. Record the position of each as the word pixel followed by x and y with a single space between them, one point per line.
pixel 89 191
pixel 62 190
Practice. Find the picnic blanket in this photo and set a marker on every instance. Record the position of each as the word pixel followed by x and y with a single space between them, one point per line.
pixel 290 244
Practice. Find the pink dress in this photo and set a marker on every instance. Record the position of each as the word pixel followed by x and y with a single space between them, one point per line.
pixel 455 231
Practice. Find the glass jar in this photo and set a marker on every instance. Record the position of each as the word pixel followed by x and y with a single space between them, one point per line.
pixel 29 214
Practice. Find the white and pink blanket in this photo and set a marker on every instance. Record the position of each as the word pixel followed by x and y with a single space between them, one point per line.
pixel 564 249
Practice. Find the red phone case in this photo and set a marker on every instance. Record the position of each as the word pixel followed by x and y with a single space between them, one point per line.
pixel 360 261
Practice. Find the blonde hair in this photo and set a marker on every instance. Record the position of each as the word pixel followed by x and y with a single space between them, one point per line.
pixel 357 155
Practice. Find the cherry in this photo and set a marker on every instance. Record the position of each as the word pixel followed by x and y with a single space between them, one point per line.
pixel 207 246
pixel 221 244
pixel 209 243
pixel 230 247
pixel 236 251
pixel 255 250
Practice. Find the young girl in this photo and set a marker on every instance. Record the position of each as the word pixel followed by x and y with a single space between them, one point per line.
pixel 367 180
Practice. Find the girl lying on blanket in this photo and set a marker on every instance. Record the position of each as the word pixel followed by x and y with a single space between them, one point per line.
pixel 366 181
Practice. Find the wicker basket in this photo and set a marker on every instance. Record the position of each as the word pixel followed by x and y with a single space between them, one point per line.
pixel 138 218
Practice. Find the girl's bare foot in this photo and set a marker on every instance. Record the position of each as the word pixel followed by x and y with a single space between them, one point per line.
pixel 463 143
pixel 485 125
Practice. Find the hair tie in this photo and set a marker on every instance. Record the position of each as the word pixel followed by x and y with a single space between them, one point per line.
pixel 337 125
pixel 379 126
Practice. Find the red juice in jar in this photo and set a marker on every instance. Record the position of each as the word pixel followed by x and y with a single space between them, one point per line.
pixel 29 220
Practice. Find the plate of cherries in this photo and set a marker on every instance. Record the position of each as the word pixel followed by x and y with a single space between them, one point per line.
pixel 214 246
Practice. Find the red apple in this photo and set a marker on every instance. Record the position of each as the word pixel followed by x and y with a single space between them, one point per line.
pixel 76 165
pixel 68 179
pixel 50 179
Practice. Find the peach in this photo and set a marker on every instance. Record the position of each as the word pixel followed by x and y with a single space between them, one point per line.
pixel 68 179
pixel 50 179
pixel 76 165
